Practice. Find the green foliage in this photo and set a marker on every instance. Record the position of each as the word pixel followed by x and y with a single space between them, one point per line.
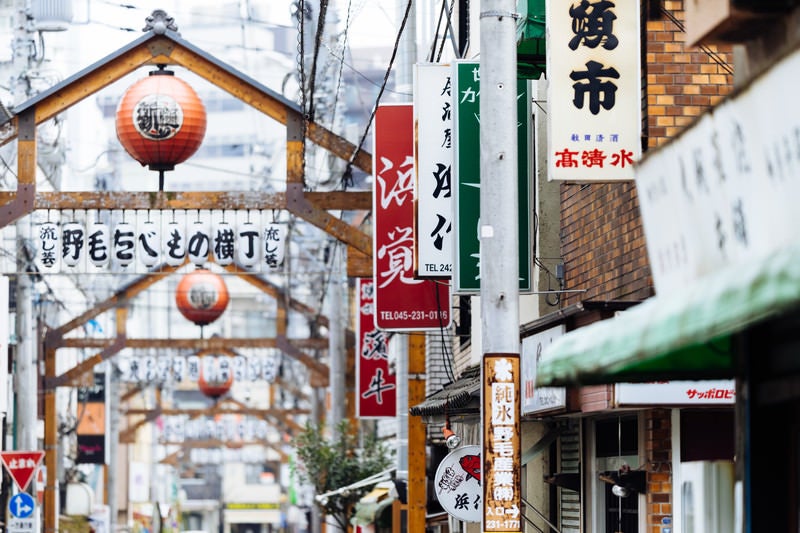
pixel 331 463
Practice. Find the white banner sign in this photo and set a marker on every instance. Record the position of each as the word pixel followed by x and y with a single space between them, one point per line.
pixel 538 399
pixel 594 94
pixel 150 369
pixel 433 148
pixel 126 240
pixel 230 429
pixel 700 393
pixel 725 190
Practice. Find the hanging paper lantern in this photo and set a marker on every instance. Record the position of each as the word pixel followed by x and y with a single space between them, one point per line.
pixel 124 243
pixel 248 244
pixel 213 380
pixel 72 243
pixel 222 243
pixel 99 243
pixel 198 242
pixel 48 254
pixel 161 121
pixel 202 296
pixel 175 243
pixel 274 244
pixel 149 243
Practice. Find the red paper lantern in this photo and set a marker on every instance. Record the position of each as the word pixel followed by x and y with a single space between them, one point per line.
pixel 214 389
pixel 161 121
pixel 201 296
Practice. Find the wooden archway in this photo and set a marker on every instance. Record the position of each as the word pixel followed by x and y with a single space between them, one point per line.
pixel 160 46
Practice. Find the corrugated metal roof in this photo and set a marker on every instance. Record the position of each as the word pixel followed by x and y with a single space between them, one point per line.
pixel 455 396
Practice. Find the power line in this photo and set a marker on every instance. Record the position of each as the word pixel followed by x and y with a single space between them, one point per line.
pixel 347 176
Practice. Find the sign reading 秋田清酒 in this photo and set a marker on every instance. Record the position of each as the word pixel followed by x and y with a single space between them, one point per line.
pixel 594 98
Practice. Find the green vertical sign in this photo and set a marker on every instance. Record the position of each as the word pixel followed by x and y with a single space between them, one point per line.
pixel 467 192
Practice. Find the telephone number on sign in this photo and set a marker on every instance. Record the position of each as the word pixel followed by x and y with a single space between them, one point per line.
pixel 502 525
pixel 414 315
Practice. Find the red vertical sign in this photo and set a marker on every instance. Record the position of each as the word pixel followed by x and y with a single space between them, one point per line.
pixel 402 303
pixel 377 386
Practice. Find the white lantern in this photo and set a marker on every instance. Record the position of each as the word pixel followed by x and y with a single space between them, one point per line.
pixel 239 368
pixel 248 244
pixel 179 368
pixel 73 241
pixel 98 242
pixel 223 243
pixel 174 243
pixel 48 254
pixel 124 244
pixel 198 243
pixel 149 243
pixel 193 368
pixel 274 244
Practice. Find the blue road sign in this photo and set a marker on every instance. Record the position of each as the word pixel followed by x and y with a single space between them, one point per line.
pixel 21 505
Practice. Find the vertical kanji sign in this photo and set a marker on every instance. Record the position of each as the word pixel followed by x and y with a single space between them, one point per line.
pixel 433 149
pixel 22 466
pixel 594 78
pixel 376 383
pixel 402 301
pixel 501 443
pixel 467 180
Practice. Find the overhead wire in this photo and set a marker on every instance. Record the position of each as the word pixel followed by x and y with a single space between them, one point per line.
pixel 347 175
pixel 321 17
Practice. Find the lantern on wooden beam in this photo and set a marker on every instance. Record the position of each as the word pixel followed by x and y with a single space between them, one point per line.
pixel 216 376
pixel 161 121
pixel 202 296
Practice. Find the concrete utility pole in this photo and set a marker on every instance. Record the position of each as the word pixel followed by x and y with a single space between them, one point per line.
pixel 25 375
pixel 499 250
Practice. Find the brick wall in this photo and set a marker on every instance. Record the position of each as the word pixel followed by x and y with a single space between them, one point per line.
pixel 602 240
pixel 659 461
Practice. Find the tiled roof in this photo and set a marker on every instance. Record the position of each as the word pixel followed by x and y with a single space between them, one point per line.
pixel 455 396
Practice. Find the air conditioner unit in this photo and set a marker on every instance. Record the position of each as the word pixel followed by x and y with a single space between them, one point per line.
pixel 731 21
pixel 707 489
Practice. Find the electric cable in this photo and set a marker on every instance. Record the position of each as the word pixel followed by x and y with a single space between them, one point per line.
pixel 347 175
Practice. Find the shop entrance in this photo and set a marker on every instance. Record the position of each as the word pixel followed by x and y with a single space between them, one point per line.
pixel 616 449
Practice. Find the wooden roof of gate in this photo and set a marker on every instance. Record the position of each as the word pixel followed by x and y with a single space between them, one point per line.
pixel 160 46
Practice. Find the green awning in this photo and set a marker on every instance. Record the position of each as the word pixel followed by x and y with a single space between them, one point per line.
pixel 682 335
pixel 531 50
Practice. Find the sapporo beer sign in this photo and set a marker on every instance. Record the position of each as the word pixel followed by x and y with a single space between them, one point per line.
pixel 402 301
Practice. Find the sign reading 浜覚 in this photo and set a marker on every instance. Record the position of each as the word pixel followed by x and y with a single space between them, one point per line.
pixel 402 301
pixel 593 73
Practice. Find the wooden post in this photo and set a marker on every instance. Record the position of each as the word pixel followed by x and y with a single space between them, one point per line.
pixel 417 497
pixel 50 443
